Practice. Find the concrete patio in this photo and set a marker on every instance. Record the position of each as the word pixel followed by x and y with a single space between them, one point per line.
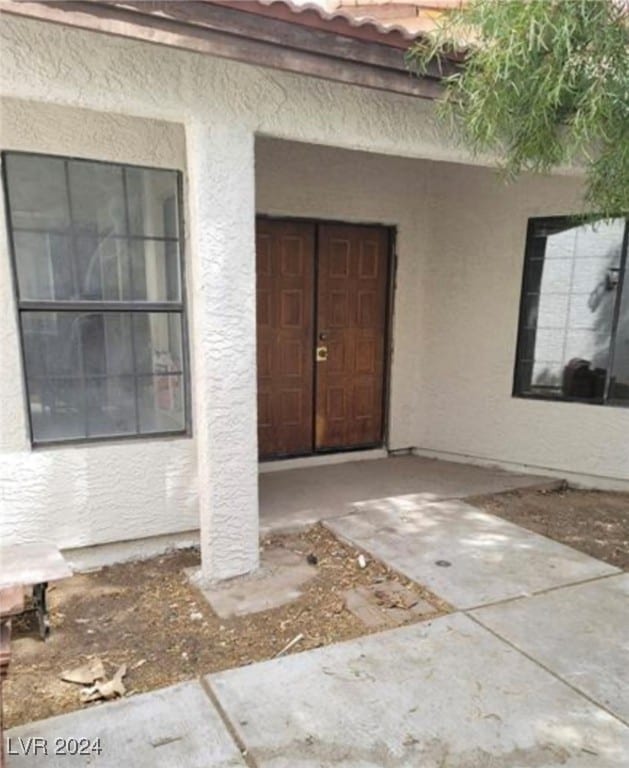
pixel 529 671
pixel 291 499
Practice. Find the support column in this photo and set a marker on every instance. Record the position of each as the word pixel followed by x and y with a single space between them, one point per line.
pixel 221 256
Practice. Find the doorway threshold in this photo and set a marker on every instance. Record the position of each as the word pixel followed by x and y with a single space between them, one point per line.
pixel 321 459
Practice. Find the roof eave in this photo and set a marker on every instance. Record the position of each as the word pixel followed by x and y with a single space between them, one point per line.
pixel 226 32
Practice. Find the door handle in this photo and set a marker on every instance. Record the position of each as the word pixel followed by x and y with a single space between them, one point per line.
pixel 322 354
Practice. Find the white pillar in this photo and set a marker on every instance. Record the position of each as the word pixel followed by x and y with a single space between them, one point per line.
pixel 221 256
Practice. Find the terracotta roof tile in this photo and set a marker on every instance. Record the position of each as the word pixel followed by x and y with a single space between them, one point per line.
pixel 353 20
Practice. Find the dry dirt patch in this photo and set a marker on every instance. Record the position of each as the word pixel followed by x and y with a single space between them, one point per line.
pixel 594 522
pixel 139 614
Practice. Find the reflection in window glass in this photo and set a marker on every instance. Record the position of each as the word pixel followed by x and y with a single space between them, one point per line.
pixel 57 409
pixel 43 269
pixel 38 192
pixel 102 236
pixel 97 198
pixel 161 403
pixel 112 367
pixel 110 406
pixel 569 307
pixel 152 202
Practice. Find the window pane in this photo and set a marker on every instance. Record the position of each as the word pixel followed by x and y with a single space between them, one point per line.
pixel 98 234
pixel 152 198
pixel 552 311
pixel 546 375
pixel 57 409
pixel 83 376
pixel 110 404
pixel 568 309
pixel 43 265
pixel 67 343
pixel 38 196
pixel 97 194
pixel 160 400
pixel 106 343
pixel 155 265
pixel 103 269
pixel 157 337
pixel 51 343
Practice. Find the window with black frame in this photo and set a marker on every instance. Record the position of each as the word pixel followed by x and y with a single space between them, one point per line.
pixel 574 318
pixel 97 259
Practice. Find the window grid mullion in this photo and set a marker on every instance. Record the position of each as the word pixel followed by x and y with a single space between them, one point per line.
pixel 616 311
pixel 112 235
pixel 76 289
pixel 89 423
pixel 28 305
pixel 531 257
pixel 147 375
pixel 132 292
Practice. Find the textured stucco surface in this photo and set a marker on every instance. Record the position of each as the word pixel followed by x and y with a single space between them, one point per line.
pixel 460 247
pixel 222 256
pixel 468 336
pixel 44 62
pixel 103 492
pixel 320 182
pixel 72 68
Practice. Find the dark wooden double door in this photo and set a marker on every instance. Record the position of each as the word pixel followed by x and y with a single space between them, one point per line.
pixel 322 295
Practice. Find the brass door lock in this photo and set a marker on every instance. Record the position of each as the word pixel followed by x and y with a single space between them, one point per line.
pixel 322 354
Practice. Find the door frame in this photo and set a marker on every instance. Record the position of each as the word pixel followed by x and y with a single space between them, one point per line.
pixel 391 230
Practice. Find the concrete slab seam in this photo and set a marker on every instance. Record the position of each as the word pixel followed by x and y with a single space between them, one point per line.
pixel 548 669
pixel 555 485
pixel 545 591
pixel 229 726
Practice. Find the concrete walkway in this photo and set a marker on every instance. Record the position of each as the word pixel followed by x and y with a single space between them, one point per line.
pixel 466 556
pixel 530 671
pixel 449 693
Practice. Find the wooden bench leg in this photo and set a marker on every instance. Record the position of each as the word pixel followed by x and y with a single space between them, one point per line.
pixel 39 599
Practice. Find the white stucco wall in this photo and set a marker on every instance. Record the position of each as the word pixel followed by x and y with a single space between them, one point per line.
pixel 453 267
pixel 50 63
pixel 223 333
pixel 464 406
pixel 320 182
pixel 102 492
pixel 461 239
pixel 67 495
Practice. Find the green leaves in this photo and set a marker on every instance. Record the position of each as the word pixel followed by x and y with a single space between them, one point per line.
pixel 544 83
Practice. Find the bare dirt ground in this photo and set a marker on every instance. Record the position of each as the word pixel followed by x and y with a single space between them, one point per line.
pixel 139 614
pixel 594 522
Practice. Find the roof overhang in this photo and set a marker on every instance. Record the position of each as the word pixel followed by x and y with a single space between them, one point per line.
pixel 331 49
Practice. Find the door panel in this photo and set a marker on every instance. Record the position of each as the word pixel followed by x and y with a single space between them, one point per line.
pixel 285 336
pixel 353 267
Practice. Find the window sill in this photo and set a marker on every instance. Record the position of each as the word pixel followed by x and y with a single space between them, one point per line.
pixel 82 442
pixel 573 400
